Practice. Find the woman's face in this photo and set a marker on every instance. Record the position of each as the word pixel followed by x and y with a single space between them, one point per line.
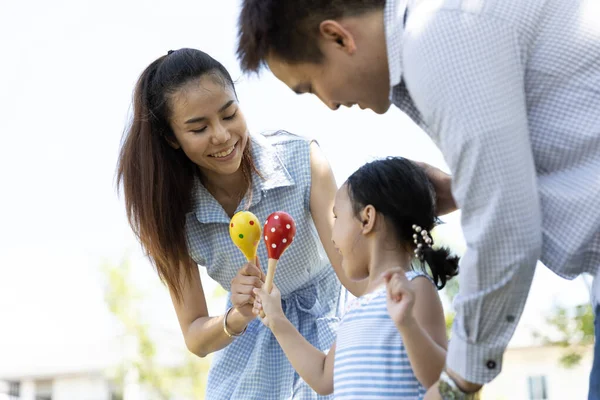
pixel 209 125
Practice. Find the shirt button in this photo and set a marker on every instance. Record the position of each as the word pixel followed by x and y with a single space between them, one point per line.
pixel 491 364
pixel 510 318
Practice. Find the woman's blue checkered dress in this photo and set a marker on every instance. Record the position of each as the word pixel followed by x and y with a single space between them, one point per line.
pixel 253 366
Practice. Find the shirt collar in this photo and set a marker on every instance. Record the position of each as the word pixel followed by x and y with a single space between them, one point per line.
pixel 393 20
pixel 270 166
pixel 273 174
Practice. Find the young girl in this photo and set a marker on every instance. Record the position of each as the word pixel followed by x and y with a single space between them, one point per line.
pixel 389 344
pixel 188 163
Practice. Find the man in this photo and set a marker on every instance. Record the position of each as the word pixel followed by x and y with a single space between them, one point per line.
pixel 510 92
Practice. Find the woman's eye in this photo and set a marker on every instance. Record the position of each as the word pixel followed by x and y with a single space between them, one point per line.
pixel 232 116
pixel 199 130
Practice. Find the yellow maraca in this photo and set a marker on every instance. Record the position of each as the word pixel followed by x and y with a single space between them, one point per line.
pixel 245 233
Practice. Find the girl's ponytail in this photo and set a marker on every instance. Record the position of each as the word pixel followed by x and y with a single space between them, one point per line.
pixel 442 263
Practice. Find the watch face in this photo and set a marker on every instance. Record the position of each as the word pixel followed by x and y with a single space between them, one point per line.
pixel 447 392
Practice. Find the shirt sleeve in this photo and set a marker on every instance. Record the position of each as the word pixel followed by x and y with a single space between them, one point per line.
pixel 465 73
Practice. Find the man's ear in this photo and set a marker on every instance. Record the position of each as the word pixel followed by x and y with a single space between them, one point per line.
pixel 332 32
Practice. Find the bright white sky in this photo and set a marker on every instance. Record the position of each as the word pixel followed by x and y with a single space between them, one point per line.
pixel 67 72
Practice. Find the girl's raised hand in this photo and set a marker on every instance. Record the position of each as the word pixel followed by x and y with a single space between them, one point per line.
pixel 268 306
pixel 400 296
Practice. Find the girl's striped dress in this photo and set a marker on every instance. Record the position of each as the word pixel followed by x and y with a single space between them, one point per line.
pixel 370 359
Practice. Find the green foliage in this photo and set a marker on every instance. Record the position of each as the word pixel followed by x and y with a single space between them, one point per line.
pixel 449 321
pixel 450 291
pixel 187 379
pixel 570 360
pixel 574 331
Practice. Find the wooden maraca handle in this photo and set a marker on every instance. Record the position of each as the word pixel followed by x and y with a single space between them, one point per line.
pixel 270 274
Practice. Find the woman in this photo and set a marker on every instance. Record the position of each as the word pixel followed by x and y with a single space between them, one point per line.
pixel 187 165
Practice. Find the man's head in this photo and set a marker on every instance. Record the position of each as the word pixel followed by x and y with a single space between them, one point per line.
pixel 335 49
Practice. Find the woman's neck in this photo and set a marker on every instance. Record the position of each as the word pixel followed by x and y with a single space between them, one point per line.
pixel 228 190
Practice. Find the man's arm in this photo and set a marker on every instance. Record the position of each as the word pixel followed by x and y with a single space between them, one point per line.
pixel 465 74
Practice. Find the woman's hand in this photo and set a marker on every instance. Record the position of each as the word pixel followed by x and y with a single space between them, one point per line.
pixel 249 277
pixel 268 306
pixel 400 296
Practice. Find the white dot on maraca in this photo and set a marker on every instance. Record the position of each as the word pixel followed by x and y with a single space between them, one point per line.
pixel 266 238
pixel 273 245
pixel 284 240
pixel 276 217
pixel 288 226
pixel 272 229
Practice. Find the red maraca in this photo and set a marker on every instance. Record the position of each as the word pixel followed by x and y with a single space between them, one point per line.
pixel 279 232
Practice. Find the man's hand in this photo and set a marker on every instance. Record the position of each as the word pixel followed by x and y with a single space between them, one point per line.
pixel 433 392
pixel 442 183
pixel 465 386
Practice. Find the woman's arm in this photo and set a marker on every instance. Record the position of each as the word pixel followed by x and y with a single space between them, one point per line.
pixel 315 367
pixel 322 195
pixel 417 311
pixel 203 334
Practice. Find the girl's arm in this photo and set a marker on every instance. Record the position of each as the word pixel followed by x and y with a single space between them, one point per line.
pixel 322 195
pixel 417 312
pixel 203 334
pixel 315 367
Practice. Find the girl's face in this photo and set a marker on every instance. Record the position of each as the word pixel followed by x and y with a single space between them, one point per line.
pixel 348 237
pixel 209 125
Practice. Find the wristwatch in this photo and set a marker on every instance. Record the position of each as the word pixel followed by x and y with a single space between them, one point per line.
pixel 449 390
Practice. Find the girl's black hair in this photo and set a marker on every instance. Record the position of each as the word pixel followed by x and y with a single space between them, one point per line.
pixel 401 191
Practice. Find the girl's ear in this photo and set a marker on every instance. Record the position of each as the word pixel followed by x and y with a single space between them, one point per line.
pixel 368 216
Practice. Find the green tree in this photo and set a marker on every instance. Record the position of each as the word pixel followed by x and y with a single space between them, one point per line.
pixel 186 379
pixel 574 331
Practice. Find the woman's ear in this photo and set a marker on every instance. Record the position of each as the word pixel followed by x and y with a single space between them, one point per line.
pixel 172 141
pixel 368 216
